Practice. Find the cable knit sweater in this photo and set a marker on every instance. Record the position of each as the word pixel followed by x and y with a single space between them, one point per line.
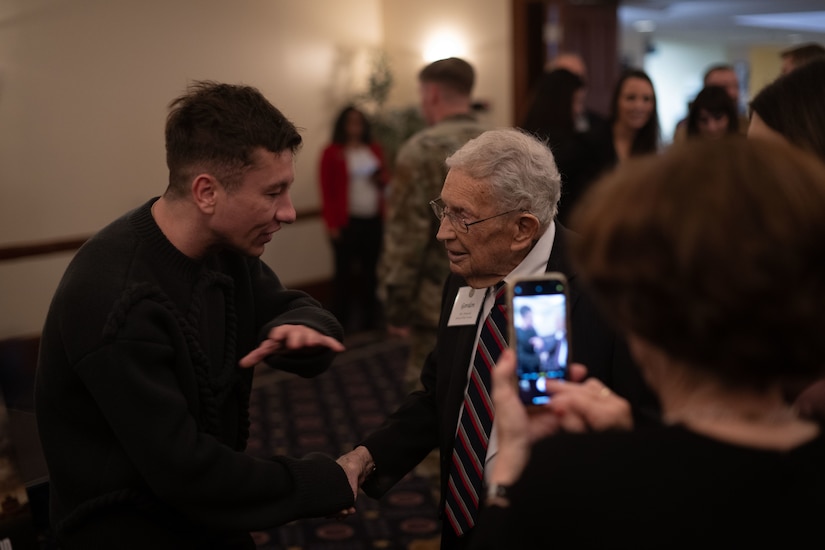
pixel 142 408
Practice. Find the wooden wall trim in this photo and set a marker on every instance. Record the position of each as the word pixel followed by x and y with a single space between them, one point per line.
pixel 41 248
pixel 69 244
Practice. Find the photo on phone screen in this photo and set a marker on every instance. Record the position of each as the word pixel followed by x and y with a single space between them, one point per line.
pixel 539 334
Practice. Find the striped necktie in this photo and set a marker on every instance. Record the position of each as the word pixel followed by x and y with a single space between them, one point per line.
pixel 467 466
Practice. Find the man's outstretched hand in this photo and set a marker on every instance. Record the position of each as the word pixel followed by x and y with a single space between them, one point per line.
pixel 287 338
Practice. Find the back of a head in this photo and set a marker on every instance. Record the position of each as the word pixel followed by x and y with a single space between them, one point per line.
pixel 570 61
pixel 453 74
pixel 552 105
pixel 794 106
pixel 801 54
pixel 216 128
pixel 520 169
pixel 712 252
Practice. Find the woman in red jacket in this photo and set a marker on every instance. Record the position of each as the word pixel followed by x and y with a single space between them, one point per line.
pixel 352 178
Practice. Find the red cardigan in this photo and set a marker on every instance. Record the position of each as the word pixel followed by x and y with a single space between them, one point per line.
pixel 334 182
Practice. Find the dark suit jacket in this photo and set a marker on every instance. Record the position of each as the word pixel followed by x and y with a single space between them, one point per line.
pixel 427 419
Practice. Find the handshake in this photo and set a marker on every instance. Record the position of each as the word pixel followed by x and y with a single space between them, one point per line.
pixel 579 404
pixel 358 465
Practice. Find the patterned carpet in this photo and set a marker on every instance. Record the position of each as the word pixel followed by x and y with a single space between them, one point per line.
pixel 330 413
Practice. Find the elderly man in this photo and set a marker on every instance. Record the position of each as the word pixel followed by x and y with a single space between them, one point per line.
pixel 496 213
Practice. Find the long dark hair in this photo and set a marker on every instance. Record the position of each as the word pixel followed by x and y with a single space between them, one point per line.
pixel 647 138
pixel 339 131
pixel 551 110
pixel 716 101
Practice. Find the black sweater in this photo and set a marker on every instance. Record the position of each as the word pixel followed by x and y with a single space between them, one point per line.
pixel 660 487
pixel 142 408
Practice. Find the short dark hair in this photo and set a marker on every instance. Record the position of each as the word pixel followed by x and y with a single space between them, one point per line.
pixel 803 53
pixel 794 106
pixel 216 128
pixel 714 68
pixel 339 131
pixel 716 101
pixel 551 106
pixel 712 252
pixel 452 73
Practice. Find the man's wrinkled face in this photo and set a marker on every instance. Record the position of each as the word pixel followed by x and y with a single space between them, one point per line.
pixel 482 253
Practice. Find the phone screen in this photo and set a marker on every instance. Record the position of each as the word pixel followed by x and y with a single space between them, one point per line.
pixel 539 335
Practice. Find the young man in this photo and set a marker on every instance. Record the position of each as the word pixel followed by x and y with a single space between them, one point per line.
pixel 413 267
pixel 144 377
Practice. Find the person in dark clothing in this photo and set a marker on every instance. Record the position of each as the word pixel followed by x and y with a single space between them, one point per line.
pixel 528 354
pixel 554 117
pixel 496 214
pixel 146 357
pixel 701 291
pixel 791 109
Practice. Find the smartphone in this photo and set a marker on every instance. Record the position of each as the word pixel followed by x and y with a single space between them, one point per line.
pixel 539 333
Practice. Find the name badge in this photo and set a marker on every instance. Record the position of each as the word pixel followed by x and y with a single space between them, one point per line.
pixel 466 307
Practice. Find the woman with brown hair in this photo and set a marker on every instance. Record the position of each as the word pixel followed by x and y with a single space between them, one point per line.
pixel 712 114
pixel 634 123
pixel 557 105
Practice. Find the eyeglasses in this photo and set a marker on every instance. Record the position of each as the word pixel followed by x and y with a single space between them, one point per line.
pixel 459 224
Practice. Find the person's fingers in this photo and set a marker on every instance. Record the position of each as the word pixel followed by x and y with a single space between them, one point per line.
pixel 291 337
pixel 257 355
pixel 296 337
pixel 505 366
pixel 577 372
pixel 596 387
pixel 571 422
pixel 595 404
pixel 332 343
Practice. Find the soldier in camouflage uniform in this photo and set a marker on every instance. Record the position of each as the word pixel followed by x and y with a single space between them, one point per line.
pixel 414 265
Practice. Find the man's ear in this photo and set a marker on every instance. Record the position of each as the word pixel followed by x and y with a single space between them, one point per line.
pixel 204 192
pixel 527 231
pixel 430 92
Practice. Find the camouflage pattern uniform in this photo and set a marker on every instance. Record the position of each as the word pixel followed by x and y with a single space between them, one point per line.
pixel 414 264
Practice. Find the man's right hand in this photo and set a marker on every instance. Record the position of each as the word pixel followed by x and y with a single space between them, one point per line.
pixel 358 464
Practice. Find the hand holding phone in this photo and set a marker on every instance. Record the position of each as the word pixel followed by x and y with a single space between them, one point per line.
pixel 539 333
